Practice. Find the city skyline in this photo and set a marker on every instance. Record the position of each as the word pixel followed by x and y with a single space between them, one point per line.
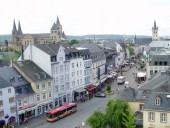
pixel 87 17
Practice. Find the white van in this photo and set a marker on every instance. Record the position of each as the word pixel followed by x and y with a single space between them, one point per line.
pixel 120 79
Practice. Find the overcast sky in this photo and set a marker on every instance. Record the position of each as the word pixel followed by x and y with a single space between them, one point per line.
pixel 80 17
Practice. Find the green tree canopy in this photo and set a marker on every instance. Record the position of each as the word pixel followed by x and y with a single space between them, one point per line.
pixel 97 120
pixel 131 50
pixel 72 42
pixel 117 115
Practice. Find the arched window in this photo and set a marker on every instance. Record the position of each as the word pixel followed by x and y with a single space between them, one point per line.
pixel 157 101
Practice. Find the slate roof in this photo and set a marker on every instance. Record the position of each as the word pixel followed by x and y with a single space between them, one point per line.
pixel 93 48
pixel 40 35
pixel 4 83
pixel 158 80
pixel 9 73
pixel 158 58
pixel 128 93
pixel 52 49
pixel 164 105
pixel 32 71
pixel 143 41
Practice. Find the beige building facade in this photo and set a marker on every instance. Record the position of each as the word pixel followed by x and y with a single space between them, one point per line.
pixel 19 39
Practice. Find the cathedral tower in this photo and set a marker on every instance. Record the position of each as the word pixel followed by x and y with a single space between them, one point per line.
pixel 154 32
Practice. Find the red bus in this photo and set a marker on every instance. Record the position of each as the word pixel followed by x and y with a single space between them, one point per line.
pixel 60 112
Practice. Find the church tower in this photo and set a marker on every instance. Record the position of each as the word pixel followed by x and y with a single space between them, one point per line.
pixel 14 33
pixel 154 32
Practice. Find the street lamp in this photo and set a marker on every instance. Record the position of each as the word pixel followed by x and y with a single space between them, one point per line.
pixel 16 109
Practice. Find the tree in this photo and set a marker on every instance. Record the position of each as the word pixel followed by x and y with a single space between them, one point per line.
pixel 128 119
pixel 131 50
pixel 97 120
pixel 117 115
pixel 72 42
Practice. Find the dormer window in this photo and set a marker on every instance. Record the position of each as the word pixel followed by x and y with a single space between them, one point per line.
pixel 157 101
pixel 156 63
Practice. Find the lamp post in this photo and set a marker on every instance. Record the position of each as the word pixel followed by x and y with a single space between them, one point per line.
pixel 17 110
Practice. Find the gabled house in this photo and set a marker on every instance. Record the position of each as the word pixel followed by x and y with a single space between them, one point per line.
pixel 23 92
pixel 41 84
pixel 7 104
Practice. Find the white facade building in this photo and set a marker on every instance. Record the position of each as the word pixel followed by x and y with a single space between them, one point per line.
pixel 7 104
pixel 57 60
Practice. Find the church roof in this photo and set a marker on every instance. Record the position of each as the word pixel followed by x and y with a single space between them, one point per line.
pixel 14 27
pixel 19 28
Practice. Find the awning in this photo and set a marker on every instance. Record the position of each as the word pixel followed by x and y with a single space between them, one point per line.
pixel 90 87
pixel 141 74
pixel 2 121
pixel 80 90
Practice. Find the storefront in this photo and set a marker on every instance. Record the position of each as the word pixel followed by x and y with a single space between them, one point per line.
pixel 79 93
pixel 2 123
pixel 62 99
pixel 11 121
pixel 91 89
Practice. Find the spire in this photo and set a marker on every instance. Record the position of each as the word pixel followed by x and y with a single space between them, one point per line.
pixel 63 35
pixel 19 28
pixel 58 21
pixel 154 26
pixel 54 26
pixel 14 30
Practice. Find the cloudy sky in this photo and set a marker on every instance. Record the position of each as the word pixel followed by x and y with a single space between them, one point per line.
pixel 80 17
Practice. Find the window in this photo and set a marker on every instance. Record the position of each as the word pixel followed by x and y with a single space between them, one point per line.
pixel 77 82
pixel 157 101
pixel 61 59
pixel 0 93
pixel 80 63
pixel 163 117
pixel 19 103
pixel 38 97
pixel 73 74
pixel 9 90
pixel 81 81
pixel 30 99
pixel 1 113
pixel 25 101
pixel 72 65
pixel 77 73
pixel 49 84
pixel 37 87
pixel 12 109
pixel 156 63
pixel 141 107
pixel 43 85
pixel 1 102
pixel 62 87
pixel 165 63
pixel 77 64
pixel 61 78
pixel 80 72
pixel 44 96
pixel 160 63
pixel 151 116
pixel 56 88
pixel 61 68
pixel 49 94
pixel 11 100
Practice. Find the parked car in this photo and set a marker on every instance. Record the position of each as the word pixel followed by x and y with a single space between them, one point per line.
pixel 100 94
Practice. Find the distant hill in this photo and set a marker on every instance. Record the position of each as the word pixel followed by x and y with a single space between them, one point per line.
pixel 103 37
pixel 5 37
pixel 85 37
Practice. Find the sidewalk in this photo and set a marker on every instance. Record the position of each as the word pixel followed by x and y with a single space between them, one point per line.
pixel 34 122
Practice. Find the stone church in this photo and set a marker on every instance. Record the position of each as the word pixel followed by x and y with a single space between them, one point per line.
pixel 19 39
